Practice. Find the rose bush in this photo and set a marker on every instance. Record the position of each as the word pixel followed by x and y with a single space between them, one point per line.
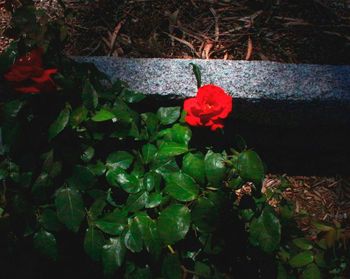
pixel 126 181
pixel 209 108
pixel 27 74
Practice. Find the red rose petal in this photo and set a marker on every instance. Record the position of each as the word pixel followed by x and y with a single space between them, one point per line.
pixel 45 77
pixel 27 90
pixel 19 73
pixel 211 105
pixel 192 120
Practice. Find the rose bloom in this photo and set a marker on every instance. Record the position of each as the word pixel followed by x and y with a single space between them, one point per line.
pixel 209 108
pixel 27 74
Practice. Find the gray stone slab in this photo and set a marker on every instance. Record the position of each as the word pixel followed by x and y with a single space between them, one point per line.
pixel 254 80
pixel 296 116
pixel 266 93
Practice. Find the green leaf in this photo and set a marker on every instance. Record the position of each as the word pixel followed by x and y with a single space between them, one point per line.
pixel 133 238
pixel 42 186
pixel 10 126
pixel 311 272
pixel 193 165
pixel 78 116
pixel 281 272
pixel 302 259
pixel 235 183
pixel 322 227
pixel 135 272
pixel 82 178
pixel 197 74
pixel 48 159
pixel 136 202
pixel 93 243
pixel 181 187
pixel 174 223
pixel 265 231
pixel 11 108
pixel 123 113
pixel 59 124
pixel 250 167
pixel 128 182
pixel 171 268
pixel 103 115
pixel 177 133
pixel 97 207
pixel 110 198
pixel 70 208
pixel 205 215
pixel 89 95
pixel 202 269
pixel 151 122
pixel 97 169
pixel 303 243
pixel 119 159
pixel 113 255
pixel 215 168
pixel 154 200
pixel 181 133
pixel 46 244
pixel 49 220
pixel 168 115
pixel 149 152
pixel 148 232
pixel 131 96
pixel 164 166
pixel 182 119
pixel 138 169
pixel 117 87
pixel 320 260
pixel 170 149
pixel 88 154
pixel 151 181
pixel 113 223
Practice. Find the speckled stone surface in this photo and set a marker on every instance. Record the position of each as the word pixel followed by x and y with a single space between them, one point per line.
pixel 247 80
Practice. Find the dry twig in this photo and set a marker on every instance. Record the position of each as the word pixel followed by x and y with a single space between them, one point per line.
pixel 184 42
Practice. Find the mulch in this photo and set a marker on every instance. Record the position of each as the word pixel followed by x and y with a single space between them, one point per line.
pixel 292 31
pixel 321 199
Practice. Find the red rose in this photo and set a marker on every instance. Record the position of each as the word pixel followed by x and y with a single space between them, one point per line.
pixel 209 108
pixel 28 76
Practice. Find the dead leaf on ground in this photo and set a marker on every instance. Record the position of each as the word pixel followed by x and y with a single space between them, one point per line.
pixel 249 49
pixel 208 45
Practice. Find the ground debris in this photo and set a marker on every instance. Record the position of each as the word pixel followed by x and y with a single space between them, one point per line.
pixel 322 199
pixel 294 31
